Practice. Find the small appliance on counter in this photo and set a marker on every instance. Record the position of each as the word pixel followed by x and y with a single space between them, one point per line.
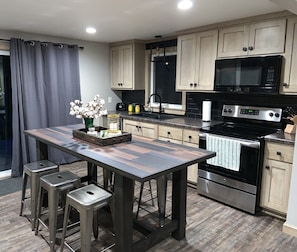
pixel 120 106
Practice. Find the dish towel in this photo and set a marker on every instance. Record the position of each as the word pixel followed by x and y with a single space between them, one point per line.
pixel 227 151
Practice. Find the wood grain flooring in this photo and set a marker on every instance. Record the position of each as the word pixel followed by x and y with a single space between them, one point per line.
pixel 211 226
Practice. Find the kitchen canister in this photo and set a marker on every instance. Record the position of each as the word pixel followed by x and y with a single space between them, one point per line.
pixel 206 111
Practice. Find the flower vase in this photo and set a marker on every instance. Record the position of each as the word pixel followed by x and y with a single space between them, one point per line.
pixel 88 123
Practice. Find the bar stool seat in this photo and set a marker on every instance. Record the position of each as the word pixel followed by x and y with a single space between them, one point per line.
pixel 34 171
pixel 86 200
pixel 57 185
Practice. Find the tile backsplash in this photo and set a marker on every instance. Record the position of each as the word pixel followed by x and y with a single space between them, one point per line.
pixel 194 102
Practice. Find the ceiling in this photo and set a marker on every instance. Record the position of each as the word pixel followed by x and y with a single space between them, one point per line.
pixel 122 19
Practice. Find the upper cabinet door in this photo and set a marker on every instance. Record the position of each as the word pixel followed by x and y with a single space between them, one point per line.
pixel 127 66
pixel 206 54
pixel 233 41
pixel 265 37
pixel 196 54
pixel 186 60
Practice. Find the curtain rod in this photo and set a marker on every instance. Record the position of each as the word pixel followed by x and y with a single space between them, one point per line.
pixel 8 40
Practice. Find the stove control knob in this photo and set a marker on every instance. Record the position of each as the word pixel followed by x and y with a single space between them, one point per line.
pixel 229 110
pixel 277 115
pixel 225 110
pixel 271 114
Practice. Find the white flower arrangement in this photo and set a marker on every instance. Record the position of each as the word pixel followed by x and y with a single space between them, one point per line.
pixel 91 109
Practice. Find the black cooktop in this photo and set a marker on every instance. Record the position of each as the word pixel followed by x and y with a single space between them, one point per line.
pixel 244 131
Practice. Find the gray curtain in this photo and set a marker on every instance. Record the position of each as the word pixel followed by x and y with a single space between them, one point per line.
pixel 44 79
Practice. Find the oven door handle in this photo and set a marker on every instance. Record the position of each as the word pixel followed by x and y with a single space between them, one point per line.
pixel 246 143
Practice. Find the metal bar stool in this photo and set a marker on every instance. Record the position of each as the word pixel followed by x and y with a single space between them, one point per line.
pixel 140 196
pixel 87 201
pixel 34 171
pixel 56 184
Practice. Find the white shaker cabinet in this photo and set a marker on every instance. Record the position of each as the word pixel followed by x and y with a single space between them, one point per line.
pixel 257 38
pixel 127 66
pixel 196 55
pixel 276 177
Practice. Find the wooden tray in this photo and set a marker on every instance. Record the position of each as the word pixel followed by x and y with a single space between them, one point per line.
pixel 82 134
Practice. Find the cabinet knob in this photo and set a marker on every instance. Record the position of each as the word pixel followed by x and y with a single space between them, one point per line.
pixel 278 153
pixel 267 167
pixel 168 132
pixel 251 48
pixel 244 49
pixel 191 84
pixel 285 84
pixel 190 137
pixel 195 84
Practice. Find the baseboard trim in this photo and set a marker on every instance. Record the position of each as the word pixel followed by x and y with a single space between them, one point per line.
pixel 289 229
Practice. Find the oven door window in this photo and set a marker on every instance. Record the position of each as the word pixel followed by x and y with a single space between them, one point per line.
pixel 248 168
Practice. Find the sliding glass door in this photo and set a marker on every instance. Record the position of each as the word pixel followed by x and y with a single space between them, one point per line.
pixel 5 114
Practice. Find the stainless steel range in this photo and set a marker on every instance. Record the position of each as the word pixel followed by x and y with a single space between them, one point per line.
pixel 233 177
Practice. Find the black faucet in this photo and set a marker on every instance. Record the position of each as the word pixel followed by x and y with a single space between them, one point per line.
pixel 149 100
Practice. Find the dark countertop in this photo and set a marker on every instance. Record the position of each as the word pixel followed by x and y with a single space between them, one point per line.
pixel 197 123
pixel 281 137
pixel 174 121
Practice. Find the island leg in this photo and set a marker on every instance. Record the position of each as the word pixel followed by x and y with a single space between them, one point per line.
pixel 179 202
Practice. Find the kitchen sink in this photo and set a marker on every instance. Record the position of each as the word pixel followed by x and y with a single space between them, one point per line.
pixel 154 115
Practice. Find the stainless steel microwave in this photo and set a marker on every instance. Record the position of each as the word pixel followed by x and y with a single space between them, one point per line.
pixel 259 75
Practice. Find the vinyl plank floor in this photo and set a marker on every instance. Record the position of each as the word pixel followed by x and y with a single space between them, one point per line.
pixel 211 226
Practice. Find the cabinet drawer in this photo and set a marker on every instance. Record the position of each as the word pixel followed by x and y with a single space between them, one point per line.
pixel 279 152
pixel 191 136
pixel 171 133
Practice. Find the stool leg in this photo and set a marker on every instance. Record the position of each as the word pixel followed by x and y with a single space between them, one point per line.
pixel 86 218
pixel 34 197
pixel 25 178
pixel 53 199
pixel 40 201
pixel 95 224
pixel 65 223
pixel 151 193
pixel 139 200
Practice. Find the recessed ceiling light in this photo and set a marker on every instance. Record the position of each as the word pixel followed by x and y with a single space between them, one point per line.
pixel 91 30
pixel 185 4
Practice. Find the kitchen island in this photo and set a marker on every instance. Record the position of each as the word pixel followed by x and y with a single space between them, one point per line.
pixel 141 159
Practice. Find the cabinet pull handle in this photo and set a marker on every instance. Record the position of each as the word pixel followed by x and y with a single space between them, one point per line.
pixel 251 48
pixel 267 167
pixel 244 49
pixel 278 153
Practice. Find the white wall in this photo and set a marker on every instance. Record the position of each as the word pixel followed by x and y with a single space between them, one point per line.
pixel 94 65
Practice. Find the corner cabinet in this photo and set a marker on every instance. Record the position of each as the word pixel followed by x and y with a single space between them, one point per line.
pixel 127 66
pixel 196 55
pixel 276 177
pixel 265 37
pixel 149 130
